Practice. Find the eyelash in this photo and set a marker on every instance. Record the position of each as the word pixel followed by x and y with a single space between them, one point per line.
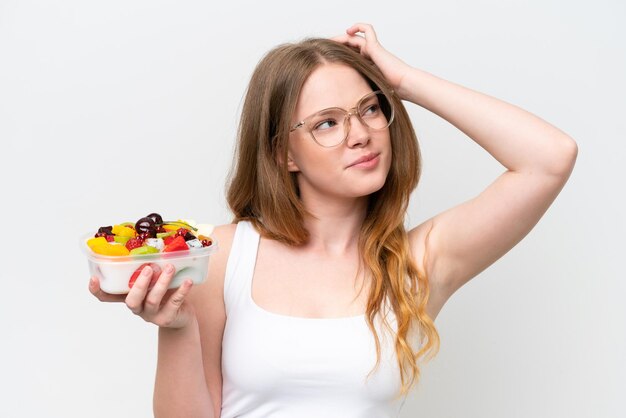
pixel 316 127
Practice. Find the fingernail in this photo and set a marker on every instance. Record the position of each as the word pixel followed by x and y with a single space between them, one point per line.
pixel 169 268
pixel 146 271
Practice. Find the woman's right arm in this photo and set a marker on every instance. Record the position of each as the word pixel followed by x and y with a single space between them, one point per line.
pixel 189 367
pixel 208 301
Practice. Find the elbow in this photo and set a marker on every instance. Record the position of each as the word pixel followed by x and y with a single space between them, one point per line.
pixel 565 158
pixel 570 154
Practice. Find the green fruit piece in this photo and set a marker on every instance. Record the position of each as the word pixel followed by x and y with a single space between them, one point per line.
pixel 146 249
pixel 121 240
pixel 165 234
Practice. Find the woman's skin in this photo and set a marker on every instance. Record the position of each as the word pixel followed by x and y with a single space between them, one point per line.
pixel 318 279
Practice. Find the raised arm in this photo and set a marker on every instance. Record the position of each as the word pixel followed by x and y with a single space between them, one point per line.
pixel 462 241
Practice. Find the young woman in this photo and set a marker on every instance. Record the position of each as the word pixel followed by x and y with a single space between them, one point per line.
pixel 320 302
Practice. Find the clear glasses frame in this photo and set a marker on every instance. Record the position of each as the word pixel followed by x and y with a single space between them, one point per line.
pixel 387 109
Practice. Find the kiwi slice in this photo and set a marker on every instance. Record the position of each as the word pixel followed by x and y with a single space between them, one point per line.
pixel 120 239
pixel 146 249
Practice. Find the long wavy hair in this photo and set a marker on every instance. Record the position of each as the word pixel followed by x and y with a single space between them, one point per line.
pixel 262 190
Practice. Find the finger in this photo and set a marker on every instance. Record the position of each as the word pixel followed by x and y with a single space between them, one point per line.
pixel 94 288
pixel 156 272
pixel 340 38
pixel 175 301
pixel 137 294
pixel 364 28
pixel 357 42
pixel 155 296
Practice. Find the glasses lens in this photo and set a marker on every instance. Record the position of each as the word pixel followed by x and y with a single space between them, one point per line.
pixel 327 127
pixel 375 111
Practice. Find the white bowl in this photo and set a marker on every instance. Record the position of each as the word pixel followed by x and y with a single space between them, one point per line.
pixel 115 272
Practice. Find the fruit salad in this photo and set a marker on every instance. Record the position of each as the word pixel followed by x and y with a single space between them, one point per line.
pixel 150 235
pixel 117 253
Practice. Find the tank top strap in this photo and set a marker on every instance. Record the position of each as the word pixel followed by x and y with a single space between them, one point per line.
pixel 240 266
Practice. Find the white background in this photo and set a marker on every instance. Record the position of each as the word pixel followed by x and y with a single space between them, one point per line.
pixel 111 110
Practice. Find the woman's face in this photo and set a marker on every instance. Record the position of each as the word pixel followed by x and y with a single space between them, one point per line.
pixel 331 172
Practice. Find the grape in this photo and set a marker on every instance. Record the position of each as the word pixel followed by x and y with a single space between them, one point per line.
pixel 158 220
pixel 108 230
pixel 146 225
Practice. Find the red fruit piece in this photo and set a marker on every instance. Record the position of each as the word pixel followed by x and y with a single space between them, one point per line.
pixel 206 242
pixel 177 244
pixel 145 235
pixel 134 243
pixel 168 240
pixel 110 238
pixel 136 274
pixel 181 232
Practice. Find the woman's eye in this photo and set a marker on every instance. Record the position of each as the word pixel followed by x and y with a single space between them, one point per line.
pixel 325 124
pixel 371 110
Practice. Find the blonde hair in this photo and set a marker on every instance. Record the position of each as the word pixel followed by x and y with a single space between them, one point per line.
pixel 262 190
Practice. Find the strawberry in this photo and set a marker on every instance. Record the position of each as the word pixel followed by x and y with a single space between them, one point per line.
pixel 182 232
pixel 134 243
pixel 168 240
pixel 177 244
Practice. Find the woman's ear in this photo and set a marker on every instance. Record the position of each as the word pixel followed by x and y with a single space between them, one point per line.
pixel 291 164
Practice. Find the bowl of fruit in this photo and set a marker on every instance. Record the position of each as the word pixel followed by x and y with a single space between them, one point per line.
pixel 116 254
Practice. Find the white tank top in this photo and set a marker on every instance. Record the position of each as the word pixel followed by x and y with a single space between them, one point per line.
pixel 279 366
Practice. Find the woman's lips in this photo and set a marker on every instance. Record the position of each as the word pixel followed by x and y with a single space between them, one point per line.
pixel 368 161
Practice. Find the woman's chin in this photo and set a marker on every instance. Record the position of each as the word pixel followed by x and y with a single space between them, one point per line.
pixel 357 190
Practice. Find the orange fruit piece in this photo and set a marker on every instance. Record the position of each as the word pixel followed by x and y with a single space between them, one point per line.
pixel 124 231
pixel 110 249
pixel 96 241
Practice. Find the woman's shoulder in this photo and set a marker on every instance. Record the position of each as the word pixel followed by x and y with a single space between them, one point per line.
pixel 223 235
pixel 225 230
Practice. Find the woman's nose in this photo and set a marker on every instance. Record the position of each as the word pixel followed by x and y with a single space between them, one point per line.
pixel 357 134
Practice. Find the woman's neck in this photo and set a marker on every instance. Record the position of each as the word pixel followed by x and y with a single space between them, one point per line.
pixel 335 225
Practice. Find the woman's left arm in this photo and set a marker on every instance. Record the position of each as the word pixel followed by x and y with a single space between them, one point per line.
pixel 464 240
pixel 538 157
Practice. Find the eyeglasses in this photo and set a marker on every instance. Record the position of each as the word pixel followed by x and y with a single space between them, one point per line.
pixel 330 127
